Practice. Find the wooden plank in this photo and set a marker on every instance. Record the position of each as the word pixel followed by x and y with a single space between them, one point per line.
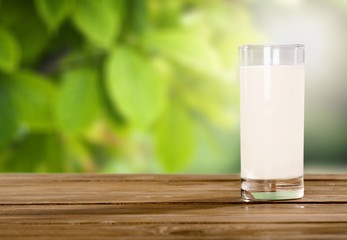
pixel 176 231
pixel 178 213
pixel 90 206
pixel 326 177
pixel 172 209
pixel 20 178
pixel 116 177
pixel 116 189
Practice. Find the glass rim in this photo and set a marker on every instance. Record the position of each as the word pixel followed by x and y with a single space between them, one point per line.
pixel 274 46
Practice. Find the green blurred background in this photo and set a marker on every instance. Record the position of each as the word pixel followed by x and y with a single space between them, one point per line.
pixel 150 86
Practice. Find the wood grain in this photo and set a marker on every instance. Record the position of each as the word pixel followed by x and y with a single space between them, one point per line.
pixel 96 206
pixel 113 189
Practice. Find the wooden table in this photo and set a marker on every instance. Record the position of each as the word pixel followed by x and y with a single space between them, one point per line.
pixel 164 207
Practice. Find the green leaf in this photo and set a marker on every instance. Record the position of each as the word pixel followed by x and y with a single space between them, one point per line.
pixel 134 87
pixel 52 155
pixel 32 38
pixel 99 21
pixel 217 101
pixel 77 104
pixel 36 152
pixel 33 97
pixel 166 14
pixel 53 12
pixel 9 52
pixel 186 49
pixel 139 19
pixel 175 139
pixel 110 110
pixel 8 120
pixel 30 33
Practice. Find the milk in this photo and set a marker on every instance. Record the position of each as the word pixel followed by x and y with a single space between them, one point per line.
pixel 272 121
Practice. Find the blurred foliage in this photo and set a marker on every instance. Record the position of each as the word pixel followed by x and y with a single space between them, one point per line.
pixel 118 86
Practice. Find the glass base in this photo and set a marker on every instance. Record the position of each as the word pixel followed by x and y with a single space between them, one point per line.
pixel 272 189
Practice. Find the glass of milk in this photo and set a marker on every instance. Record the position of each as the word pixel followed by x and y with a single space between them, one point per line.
pixel 272 80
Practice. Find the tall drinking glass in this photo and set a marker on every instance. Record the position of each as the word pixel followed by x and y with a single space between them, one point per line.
pixel 272 121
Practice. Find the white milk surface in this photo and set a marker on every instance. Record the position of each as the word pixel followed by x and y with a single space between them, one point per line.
pixel 272 121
